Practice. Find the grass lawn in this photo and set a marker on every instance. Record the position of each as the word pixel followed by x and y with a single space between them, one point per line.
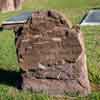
pixel 9 69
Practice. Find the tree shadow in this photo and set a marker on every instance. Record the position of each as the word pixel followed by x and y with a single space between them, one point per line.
pixel 10 78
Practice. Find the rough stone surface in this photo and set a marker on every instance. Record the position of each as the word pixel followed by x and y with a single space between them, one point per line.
pixel 52 55
pixel 10 5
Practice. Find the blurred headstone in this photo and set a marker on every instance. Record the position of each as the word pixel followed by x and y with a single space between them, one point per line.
pixel 10 5
pixel 51 55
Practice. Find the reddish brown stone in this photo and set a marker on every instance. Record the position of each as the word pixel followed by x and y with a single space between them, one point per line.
pixel 10 5
pixel 52 55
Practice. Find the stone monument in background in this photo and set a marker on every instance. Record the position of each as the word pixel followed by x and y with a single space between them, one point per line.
pixel 10 5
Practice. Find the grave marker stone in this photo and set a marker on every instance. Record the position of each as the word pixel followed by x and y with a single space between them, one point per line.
pixel 10 5
pixel 51 53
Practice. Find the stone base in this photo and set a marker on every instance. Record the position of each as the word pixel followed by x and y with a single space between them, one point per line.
pixel 54 87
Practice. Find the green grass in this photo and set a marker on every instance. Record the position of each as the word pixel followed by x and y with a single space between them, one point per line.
pixel 74 11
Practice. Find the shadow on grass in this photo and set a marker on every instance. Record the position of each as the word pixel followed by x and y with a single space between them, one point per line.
pixel 10 78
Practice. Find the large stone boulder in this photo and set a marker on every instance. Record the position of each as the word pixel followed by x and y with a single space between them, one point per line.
pixel 51 55
pixel 10 5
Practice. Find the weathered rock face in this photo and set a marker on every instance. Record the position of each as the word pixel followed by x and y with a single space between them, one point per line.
pixel 10 5
pixel 52 55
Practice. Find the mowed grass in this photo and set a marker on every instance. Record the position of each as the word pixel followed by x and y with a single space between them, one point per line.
pixel 74 10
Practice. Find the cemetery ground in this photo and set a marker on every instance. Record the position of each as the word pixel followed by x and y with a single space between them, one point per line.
pixel 74 10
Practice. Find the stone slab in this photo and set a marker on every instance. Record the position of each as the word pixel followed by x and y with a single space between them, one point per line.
pixel 51 55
